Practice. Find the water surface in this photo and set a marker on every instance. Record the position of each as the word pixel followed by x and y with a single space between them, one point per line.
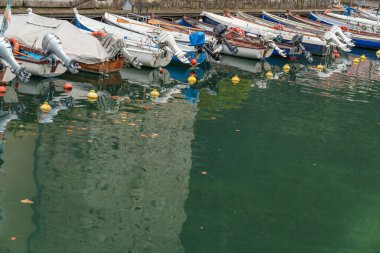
pixel 288 164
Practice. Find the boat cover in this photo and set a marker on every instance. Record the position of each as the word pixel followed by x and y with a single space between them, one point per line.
pixel 197 39
pixel 29 29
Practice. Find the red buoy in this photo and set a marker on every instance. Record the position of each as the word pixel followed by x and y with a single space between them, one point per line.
pixel 337 56
pixel 161 70
pixel 67 86
pixel 193 62
pixel 3 89
pixel 335 51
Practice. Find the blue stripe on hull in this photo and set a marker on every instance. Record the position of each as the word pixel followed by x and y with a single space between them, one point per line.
pixel 366 43
pixel 324 20
pixel 81 26
pixel 271 19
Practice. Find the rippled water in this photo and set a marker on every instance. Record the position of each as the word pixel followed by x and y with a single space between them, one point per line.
pixel 289 164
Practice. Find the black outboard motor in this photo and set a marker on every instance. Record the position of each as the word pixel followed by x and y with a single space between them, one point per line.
pixel 215 46
pixel 220 33
pixel 297 42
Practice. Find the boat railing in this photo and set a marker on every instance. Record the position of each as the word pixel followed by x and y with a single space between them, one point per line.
pixel 137 17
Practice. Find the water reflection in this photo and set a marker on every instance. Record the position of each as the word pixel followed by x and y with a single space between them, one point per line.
pixel 113 174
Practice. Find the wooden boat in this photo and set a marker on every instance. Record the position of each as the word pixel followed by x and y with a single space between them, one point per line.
pixel 103 67
pixel 351 25
pixel 36 61
pixel 360 39
pixel 141 29
pixel 150 54
pixel 312 43
pixel 74 45
pixel 353 20
pixel 290 50
pixel 246 48
pixel 366 14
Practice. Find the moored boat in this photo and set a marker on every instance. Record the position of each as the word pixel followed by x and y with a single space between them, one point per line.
pixel 141 29
pixel 160 47
pixel 240 40
pixel 312 43
pixel 244 48
pixel 361 39
pixel 74 46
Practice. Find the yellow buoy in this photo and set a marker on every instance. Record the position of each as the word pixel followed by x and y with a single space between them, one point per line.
pixel 378 53
pixel 269 74
pixel 320 67
pixel 286 68
pixel 235 80
pixel 92 96
pixel 356 61
pixel 45 107
pixel 154 93
pixel 192 79
pixel 363 58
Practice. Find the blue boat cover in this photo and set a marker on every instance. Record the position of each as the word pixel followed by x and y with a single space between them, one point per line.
pixel 197 39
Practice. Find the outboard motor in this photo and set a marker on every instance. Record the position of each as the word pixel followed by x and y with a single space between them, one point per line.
pixel 333 41
pixel 115 46
pixel 270 44
pixel 167 41
pixel 220 33
pixel 132 60
pixel 339 33
pixel 7 59
pixel 215 46
pixel 53 47
pixel 297 42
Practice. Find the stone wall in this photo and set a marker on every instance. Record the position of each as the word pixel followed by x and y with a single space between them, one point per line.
pixel 65 3
pixel 237 4
pixel 176 4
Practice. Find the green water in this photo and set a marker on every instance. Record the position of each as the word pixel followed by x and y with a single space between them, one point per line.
pixel 289 164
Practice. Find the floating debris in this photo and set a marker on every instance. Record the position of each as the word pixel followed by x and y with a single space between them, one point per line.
pixel 154 135
pixel 26 201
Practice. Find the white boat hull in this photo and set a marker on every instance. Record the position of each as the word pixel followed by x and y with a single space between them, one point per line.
pixel 137 45
pixel 6 75
pixel 150 58
pixel 255 29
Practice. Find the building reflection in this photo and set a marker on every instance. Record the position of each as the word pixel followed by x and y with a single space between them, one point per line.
pixel 113 187
pixel 16 173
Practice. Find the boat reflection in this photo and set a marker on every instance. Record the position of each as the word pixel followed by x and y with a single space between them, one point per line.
pixel 53 92
pixel 10 109
pixel 169 81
